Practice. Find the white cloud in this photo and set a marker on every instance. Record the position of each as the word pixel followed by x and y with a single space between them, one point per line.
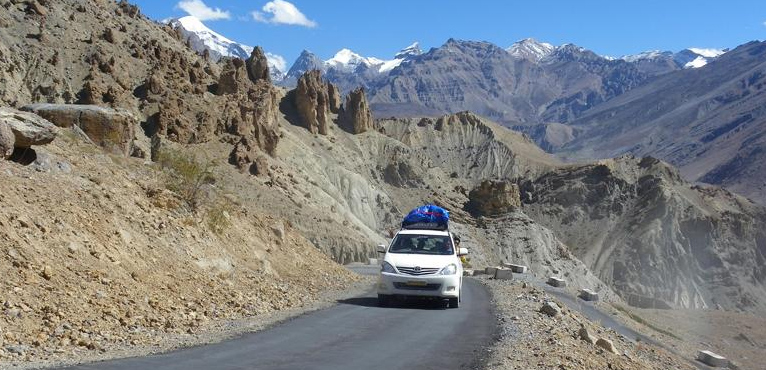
pixel 200 10
pixel 278 61
pixel 282 12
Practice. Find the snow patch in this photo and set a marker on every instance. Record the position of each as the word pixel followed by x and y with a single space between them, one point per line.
pixel 699 61
pixel 707 53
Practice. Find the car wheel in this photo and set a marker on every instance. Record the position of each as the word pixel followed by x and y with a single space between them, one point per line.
pixel 383 300
pixel 454 302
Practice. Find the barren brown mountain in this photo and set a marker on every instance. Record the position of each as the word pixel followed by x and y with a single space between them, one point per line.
pixel 159 193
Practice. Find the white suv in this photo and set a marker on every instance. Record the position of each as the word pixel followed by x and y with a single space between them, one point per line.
pixel 421 263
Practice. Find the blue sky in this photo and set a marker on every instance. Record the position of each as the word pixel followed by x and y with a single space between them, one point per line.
pixel 381 28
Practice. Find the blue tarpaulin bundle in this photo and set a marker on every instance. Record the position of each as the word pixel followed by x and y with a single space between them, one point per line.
pixel 428 216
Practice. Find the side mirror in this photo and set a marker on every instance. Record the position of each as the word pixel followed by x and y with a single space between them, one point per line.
pixel 382 248
pixel 462 251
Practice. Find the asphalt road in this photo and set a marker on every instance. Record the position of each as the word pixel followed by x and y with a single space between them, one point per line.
pixel 354 334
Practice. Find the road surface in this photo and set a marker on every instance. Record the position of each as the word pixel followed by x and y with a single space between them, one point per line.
pixel 354 334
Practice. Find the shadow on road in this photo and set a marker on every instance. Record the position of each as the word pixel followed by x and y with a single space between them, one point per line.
pixel 410 302
pixel 360 301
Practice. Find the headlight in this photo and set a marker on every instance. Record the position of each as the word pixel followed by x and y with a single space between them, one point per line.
pixel 387 268
pixel 451 269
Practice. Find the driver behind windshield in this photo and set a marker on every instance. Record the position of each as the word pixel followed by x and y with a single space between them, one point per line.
pixel 425 245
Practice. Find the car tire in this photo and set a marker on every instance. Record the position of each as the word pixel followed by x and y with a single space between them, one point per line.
pixel 383 300
pixel 454 302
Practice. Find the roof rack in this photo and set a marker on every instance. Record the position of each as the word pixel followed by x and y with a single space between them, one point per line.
pixel 426 226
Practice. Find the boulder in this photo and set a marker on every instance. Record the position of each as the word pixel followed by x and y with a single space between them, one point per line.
pixel 355 115
pixel 585 335
pixel 258 66
pixel 607 345
pixel 28 129
pixel 312 102
pixel 493 198
pixel 112 129
pixel 550 308
pixel 7 140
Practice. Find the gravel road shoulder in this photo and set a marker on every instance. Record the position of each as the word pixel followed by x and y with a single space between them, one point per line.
pixel 216 332
pixel 531 339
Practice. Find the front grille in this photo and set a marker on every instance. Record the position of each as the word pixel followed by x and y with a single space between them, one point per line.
pixel 404 286
pixel 411 271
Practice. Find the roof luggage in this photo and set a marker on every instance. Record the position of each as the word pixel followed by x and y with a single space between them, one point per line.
pixel 429 217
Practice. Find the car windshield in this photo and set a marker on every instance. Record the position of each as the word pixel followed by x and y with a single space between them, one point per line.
pixel 422 244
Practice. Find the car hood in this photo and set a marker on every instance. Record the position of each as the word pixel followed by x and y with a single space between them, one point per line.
pixel 422 260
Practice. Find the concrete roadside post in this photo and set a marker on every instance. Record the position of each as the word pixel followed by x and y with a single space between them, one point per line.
pixel 503 274
pixel 712 359
pixel 556 282
pixel 588 295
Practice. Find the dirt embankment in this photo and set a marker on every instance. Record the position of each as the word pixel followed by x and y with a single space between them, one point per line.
pixel 97 254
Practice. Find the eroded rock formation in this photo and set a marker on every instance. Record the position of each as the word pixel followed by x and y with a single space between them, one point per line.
pixel 334 95
pixel 258 66
pixel 355 116
pixel 312 102
pixel 234 76
pixel 493 198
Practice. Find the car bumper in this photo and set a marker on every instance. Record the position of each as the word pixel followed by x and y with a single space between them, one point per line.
pixel 446 286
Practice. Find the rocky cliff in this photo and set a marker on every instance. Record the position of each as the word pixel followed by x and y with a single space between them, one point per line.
pixel 651 235
pixel 132 63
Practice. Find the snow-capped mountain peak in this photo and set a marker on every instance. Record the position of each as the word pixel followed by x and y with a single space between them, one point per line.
pixel 707 53
pixel 687 58
pixel 347 60
pixel 530 49
pixel 646 55
pixel 696 57
pixel 409 51
pixel 201 37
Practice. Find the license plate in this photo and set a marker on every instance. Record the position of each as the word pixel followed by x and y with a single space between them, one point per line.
pixel 417 283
